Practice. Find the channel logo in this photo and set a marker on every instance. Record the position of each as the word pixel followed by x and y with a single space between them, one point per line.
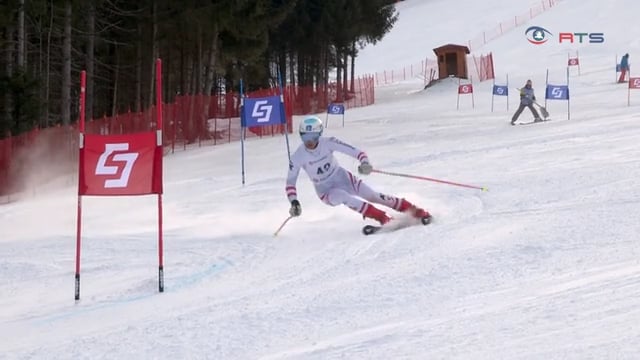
pixel 537 35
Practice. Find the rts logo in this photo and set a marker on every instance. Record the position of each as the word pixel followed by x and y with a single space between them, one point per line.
pixel 537 35
pixel 593 38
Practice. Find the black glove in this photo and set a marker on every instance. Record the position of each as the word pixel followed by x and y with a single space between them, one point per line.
pixel 365 168
pixel 295 209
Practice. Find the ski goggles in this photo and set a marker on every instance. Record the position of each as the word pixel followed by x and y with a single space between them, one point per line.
pixel 310 136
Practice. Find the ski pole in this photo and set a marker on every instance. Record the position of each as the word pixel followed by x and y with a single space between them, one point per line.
pixel 430 179
pixel 283 224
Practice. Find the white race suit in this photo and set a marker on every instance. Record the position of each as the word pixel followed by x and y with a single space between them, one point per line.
pixel 333 184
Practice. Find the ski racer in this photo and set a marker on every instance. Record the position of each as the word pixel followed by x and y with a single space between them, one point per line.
pixel 335 185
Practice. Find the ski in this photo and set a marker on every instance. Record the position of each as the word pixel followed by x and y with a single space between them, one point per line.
pixel 534 122
pixel 395 225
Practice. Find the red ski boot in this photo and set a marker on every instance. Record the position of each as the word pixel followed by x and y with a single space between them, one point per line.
pixel 376 214
pixel 414 211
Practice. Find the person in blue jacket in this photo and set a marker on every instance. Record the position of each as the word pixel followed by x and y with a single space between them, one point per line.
pixel 624 67
pixel 527 98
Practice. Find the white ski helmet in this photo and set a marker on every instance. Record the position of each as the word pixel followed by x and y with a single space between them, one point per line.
pixel 310 131
pixel 311 124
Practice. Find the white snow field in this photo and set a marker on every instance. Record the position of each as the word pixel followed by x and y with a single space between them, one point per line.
pixel 545 265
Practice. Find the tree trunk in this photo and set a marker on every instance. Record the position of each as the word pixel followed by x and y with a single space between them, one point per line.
pixel 193 74
pixel 211 65
pixel 325 75
pixel 353 67
pixel 47 75
pixel 90 60
pixel 40 73
pixel 327 58
pixel 301 70
pixel 9 52
pixel 154 52
pixel 167 80
pixel 339 97
pixel 21 38
pixel 194 118
pixel 66 67
pixel 198 63
pixel 116 74
pixel 211 71
pixel 281 55
pixel 345 66
pixel 139 65
pixel 183 75
pixel 292 68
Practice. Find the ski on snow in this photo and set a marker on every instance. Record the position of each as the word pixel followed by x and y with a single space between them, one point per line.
pixel 534 122
pixel 395 224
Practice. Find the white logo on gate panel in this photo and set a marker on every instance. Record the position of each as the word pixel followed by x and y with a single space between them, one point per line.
pixel 335 109
pixel 465 89
pixel 500 90
pixel 262 111
pixel 556 92
pixel 636 83
pixel 103 169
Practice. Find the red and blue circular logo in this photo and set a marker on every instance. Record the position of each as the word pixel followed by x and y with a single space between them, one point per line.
pixel 537 35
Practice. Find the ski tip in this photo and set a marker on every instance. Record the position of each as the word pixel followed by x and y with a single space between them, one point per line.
pixel 370 229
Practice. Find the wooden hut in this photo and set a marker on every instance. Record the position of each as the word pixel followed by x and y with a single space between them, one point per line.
pixel 452 60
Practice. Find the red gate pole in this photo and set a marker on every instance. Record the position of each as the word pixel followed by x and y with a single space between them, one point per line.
pixel 159 155
pixel 83 84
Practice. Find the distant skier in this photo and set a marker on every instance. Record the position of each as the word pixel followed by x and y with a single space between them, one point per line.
pixel 527 98
pixel 333 184
pixel 624 67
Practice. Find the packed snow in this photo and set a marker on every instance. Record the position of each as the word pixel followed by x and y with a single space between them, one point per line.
pixel 544 265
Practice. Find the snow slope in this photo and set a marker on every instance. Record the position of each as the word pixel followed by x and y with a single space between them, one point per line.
pixel 543 265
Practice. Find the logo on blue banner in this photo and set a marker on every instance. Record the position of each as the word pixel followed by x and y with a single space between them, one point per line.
pixel 335 109
pixel 262 112
pixel 557 92
pixel 501 90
